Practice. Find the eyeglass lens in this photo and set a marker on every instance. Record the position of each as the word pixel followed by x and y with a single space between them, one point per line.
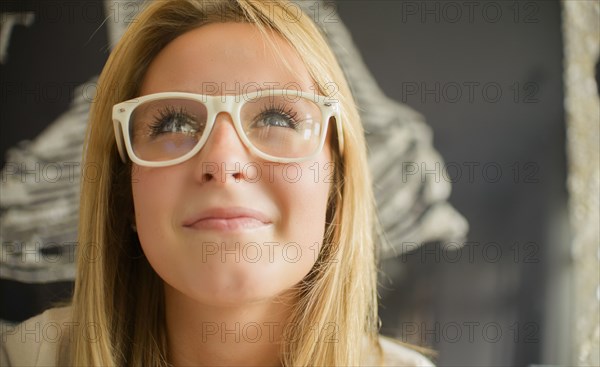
pixel 280 126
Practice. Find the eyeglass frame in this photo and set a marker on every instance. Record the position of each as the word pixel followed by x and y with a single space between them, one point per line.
pixel 215 104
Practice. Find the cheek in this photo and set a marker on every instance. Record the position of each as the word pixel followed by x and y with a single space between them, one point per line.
pixel 151 197
pixel 303 193
pixel 154 195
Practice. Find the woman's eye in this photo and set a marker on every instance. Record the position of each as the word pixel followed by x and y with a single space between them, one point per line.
pixel 173 120
pixel 274 120
pixel 276 117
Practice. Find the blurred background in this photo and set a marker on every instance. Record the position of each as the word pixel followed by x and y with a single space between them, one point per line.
pixel 489 78
pixel 509 91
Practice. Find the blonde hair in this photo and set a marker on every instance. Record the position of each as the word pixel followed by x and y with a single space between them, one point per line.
pixel 339 291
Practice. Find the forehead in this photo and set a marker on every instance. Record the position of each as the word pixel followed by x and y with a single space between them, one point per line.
pixel 225 58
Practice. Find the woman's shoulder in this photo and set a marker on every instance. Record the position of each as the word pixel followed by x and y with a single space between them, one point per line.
pixel 36 341
pixel 398 355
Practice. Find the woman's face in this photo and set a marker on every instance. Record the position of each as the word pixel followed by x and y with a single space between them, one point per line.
pixel 227 262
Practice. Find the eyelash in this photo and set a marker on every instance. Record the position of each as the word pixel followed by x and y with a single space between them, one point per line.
pixel 288 114
pixel 167 115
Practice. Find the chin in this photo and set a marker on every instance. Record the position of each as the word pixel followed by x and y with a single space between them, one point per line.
pixel 243 285
pixel 238 294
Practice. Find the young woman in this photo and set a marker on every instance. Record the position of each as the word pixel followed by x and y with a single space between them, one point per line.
pixel 232 221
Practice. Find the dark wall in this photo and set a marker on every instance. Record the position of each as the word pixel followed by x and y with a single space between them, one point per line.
pixel 487 76
pixel 63 47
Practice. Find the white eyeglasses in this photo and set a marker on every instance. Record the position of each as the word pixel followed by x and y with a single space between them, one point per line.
pixel 168 128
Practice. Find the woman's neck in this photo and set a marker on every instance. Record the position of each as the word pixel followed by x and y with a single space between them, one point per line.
pixel 215 335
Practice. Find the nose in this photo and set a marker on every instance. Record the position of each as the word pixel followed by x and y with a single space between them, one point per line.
pixel 224 156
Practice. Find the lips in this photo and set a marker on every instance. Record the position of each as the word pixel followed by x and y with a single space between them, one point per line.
pixel 232 218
